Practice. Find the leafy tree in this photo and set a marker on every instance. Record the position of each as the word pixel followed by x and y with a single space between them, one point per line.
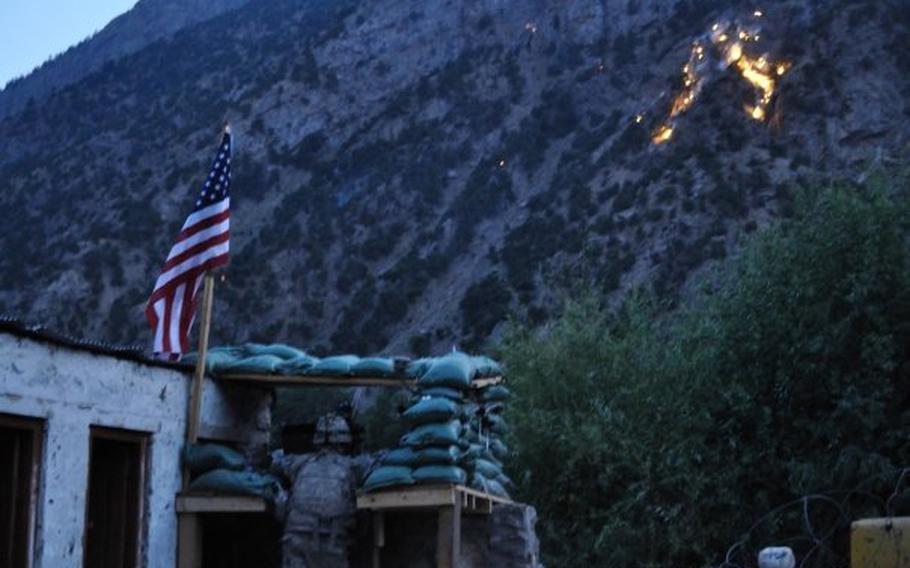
pixel 648 438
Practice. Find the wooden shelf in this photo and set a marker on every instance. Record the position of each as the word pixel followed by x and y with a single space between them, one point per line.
pixel 307 380
pixel 208 503
pixel 430 497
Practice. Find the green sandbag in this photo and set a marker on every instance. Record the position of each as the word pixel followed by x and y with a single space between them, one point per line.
pixel 493 407
pixel 418 367
pixel 437 455
pixel 487 468
pixel 454 370
pixel 400 456
pixel 216 358
pixel 495 423
pixel 498 449
pixel 430 409
pixel 435 434
pixel 276 349
pixel 237 483
pixel 337 366
pixel 496 488
pixel 255 364
pixel 486 367
pixel 373 367
pixel 206 457
pixel 387 476
pixel 496 393
pixel 298 365
pixel 445 392
pixel 440 474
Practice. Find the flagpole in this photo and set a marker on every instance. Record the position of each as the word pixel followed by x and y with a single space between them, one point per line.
pixel 195 402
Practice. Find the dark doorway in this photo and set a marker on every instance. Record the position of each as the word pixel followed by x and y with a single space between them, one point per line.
pixel 115 506
pixel 20 456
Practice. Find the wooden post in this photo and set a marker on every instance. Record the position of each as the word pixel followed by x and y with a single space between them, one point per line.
pixel 378 537
pixel 448 536
pixel 195 403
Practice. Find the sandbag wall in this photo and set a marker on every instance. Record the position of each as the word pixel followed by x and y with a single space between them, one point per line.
pixel 455 430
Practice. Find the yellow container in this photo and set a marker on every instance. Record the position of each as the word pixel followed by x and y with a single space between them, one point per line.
pixel 880 543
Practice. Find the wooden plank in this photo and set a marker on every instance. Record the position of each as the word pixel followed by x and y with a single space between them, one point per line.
pixel 189 541
pixel 188 503
pixel 410 498
pixel 487 382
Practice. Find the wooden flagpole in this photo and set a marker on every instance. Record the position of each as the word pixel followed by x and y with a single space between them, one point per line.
pixel 195 402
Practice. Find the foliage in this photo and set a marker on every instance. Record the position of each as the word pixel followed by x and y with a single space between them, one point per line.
pixel 673 432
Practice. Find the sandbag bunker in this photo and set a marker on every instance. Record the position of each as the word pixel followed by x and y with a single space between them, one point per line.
pixel 448 462
pixel 455 435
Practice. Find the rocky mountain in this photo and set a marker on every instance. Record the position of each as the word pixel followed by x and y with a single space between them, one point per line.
pixel 408 174
pixel 147 22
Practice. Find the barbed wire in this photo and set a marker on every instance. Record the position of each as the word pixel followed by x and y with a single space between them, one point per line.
pixel 824 519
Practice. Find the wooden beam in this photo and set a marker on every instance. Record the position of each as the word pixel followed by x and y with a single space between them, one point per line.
pixel 220 504
pixel 427 497
pixel 448 536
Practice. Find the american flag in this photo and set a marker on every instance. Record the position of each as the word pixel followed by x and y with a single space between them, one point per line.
pixel 202 245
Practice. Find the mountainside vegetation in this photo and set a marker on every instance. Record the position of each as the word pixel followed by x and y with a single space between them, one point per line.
pixel 654 438
pixel 407 174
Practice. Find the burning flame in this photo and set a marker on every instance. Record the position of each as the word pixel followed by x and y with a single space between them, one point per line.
pixel 760 72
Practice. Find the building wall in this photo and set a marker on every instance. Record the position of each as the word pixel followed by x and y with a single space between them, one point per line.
pixel 74 389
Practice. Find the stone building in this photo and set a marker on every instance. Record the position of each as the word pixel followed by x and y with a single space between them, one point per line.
pixel 90 440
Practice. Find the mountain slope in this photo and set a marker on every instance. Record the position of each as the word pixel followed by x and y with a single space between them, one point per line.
pixel 407 175
pixel 147 22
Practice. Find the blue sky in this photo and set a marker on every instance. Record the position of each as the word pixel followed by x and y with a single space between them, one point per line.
pixel 31 31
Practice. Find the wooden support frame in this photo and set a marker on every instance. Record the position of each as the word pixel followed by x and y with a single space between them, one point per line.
pixel 449 502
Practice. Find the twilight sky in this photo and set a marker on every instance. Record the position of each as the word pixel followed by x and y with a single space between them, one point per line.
pixel 31 31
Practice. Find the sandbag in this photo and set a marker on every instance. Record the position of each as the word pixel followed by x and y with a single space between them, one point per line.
pixel 400 456
pixel 277 349
pixel 387 476
pixel 434 434
pixel 206 457
pixel 454 370
pixel 495 423
pixel 496 393
pixel 444 392
pixel 486 367
pixel 430 409
pixel 418 367
pixel 373 367
pixel 499 450
pixel 440 474
pixel 493 407
pixel 487 468
pixel 298 365
pixel 237 483
pixel 437 455
pixel 336 366
pixel 255 364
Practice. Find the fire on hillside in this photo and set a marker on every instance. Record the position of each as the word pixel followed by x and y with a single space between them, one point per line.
pixel 726 47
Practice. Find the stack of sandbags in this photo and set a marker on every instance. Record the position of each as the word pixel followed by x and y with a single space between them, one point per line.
pixel 279 359
pixel 430 453
pixel 484 427
pixel 220 469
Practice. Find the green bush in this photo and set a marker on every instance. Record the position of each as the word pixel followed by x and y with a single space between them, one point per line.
pixel 647 438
